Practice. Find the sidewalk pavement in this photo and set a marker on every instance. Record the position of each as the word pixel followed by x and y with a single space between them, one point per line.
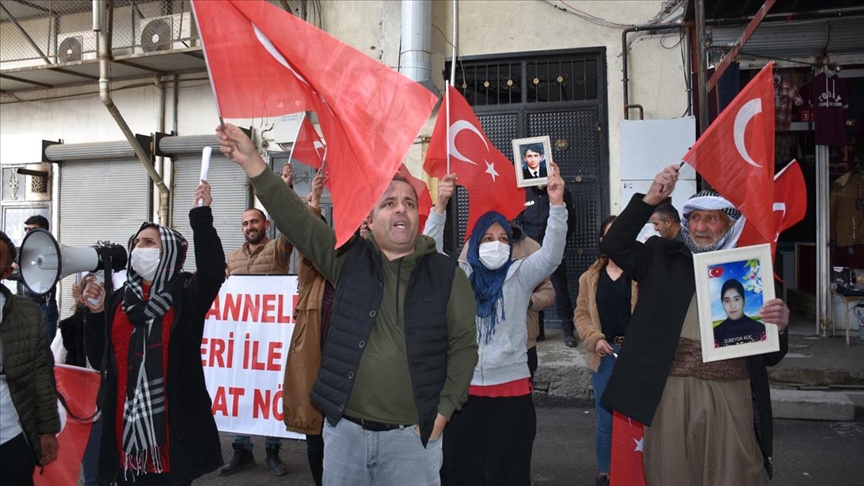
pixel 819 379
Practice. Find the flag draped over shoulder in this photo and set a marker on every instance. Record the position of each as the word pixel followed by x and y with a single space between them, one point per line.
pixel 790 206
pixel 265 62
pixel 736 154
pixel 486 173
pixel 78 387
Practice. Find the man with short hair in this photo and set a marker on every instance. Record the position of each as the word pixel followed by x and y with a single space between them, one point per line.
pixel 717 415
pixel 666 221
pixel 533 161
pixel 259 255
pixel 29 419
pixel 401 347
pixel 48 301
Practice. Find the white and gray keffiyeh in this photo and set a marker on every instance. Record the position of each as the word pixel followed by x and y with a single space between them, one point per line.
pixel 711 201
pixel 145 425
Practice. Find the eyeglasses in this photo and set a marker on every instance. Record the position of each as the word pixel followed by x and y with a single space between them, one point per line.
pixel 28 229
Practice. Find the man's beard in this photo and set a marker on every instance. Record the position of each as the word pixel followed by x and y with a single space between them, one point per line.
pixel 254 240
pixel 684 235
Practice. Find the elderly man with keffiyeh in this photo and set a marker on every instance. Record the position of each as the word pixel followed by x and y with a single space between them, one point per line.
pixel 158 427
pixel 706 423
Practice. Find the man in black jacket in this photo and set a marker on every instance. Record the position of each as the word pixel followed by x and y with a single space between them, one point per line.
pixel 533 222
pixel 713 418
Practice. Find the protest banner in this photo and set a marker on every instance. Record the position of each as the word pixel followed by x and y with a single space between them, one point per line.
pixel 244 349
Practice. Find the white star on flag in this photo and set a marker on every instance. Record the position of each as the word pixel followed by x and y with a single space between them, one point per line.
pixel 638 445
pixel 490 169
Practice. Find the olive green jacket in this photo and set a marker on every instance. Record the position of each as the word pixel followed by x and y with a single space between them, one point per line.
pixel 29 367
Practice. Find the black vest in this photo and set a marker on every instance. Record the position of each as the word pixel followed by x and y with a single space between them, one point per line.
pixel 356 301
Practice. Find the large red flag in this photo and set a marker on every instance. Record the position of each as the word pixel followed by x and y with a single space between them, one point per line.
pixel 485 172
pixel 627 466
pixel 264 62
pixel 790 206
pixel 78 387
pixel 736 154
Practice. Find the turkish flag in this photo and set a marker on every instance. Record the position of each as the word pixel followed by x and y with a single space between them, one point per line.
pixel 424 199
pixel 486 173
pixel 265 62
pixel 78 387
pixel 736 154
pixel 308 147
pixel 790 206
pixel 627 467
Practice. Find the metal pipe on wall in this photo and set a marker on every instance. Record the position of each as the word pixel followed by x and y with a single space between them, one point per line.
pixel 624 49
pixel 105 12
pixel 824 325
pixel 416 56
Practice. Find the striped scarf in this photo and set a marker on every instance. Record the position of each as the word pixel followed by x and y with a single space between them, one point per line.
pixel 145 426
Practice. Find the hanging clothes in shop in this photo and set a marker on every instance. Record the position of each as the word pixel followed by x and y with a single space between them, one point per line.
pixel 828 98
pixel 847 209
pixel 785 95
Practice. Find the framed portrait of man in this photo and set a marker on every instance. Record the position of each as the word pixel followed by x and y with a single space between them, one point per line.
pixel 531 159
pixel 731 287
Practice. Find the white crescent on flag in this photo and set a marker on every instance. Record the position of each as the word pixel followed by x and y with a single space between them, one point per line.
pixel 457 127
pixel 745 114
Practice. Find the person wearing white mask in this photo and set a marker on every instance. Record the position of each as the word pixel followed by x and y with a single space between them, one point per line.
pixel 491 439
pixel 158 426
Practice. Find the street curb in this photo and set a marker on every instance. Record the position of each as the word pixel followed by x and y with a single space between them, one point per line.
pixel 812 405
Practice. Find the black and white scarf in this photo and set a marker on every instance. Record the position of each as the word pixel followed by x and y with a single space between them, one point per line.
pixel 145 426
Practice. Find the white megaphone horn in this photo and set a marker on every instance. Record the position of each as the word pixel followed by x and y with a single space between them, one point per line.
pixel 44 260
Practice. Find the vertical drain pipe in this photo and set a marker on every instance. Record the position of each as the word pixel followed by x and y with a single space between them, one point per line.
pixel 103 15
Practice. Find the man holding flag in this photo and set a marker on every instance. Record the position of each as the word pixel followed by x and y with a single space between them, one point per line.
pixel 401 347
pixel 706 423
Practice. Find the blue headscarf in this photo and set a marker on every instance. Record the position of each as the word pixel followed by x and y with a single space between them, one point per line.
pixel 487 284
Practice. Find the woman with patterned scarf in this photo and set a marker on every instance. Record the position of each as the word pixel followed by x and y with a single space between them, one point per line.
pixel 490 440
pixel 158 427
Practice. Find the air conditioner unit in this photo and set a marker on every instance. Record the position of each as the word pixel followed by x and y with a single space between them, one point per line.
pixel 76 46
pixel 168 32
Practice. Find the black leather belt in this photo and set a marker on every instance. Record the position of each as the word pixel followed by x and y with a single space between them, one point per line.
pixel 373 426
pixel 619 340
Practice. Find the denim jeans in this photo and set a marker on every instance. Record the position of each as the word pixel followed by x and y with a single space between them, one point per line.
pixel 357 457
pixel 603 445
pixel 90 461
pixel 246 442
pixel 51 315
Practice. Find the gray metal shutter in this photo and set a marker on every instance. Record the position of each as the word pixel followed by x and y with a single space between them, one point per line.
pixel 230 190
pixel 105 200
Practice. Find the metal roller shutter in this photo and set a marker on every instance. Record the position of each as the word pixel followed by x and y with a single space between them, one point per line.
pixel 105 200
pixel 230 198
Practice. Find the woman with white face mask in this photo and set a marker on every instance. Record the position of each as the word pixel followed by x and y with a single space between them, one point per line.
pixel 490 440
pixel 158 426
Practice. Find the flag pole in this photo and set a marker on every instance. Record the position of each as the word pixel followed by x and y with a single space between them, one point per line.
pixel 453 57
pixel 209 73
pixel 447 119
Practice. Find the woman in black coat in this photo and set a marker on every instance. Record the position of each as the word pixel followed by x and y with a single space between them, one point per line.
pixel 159 429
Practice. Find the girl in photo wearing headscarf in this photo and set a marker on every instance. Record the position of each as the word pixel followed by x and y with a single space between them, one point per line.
pixel 490 440
pixel 158 426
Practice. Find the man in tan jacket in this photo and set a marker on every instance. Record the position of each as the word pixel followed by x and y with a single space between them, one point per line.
pixel 259 255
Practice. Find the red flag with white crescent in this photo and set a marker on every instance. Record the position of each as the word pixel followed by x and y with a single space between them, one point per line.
pixel 790 206
pixel 627 439
pixel 736 154
pixel 486 173
pixel 265 62
pixel 78 387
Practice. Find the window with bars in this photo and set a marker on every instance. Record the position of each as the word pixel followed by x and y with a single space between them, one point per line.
pixel 528 80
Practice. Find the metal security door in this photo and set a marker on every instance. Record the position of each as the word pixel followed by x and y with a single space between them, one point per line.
pixel 561 94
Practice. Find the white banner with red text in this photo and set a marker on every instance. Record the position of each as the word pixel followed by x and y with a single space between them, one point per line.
pixel 247 334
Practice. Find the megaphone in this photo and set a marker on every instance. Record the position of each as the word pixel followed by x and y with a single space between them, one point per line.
pixel 44 260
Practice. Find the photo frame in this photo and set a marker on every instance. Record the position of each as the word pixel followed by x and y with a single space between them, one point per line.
pixel 533 150
pixel 731 287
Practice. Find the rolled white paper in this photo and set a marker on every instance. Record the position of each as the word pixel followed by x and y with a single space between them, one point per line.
pixel 205 168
